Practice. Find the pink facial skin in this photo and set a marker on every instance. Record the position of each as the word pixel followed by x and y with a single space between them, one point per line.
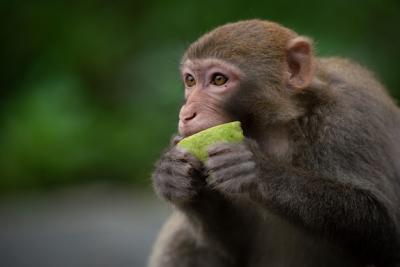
pixel 205 99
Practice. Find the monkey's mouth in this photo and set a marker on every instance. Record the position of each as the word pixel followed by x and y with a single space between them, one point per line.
pixel 188 128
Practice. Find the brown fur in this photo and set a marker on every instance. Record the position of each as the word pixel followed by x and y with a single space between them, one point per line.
pixel 315 183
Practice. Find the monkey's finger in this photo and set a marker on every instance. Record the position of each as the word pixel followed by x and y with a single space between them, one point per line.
pixel 171 178
pixel 166 185
pixel 231 173
pixel 175 193
pixel 184 170
pixel 224 148
pixel 236 171
pixel 173 168
pixel 228 159
pixel 175 139
pixel 233 186
pixel 179 154
pixel 194 162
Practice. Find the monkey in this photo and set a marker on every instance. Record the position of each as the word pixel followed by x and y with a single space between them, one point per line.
pixel 316 181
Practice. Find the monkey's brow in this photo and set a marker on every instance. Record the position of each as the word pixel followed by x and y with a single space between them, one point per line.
pixel 210 62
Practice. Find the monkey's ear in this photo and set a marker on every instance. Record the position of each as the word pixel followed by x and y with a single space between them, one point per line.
pixel 300 59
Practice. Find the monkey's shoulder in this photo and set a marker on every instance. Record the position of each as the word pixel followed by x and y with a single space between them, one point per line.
pixel 353 83
pixel 340 64
pixel 347 71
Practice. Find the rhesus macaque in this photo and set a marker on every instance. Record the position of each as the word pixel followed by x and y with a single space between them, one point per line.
pixel 316 181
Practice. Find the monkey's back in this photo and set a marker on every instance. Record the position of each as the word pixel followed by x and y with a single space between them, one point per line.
pixel 357 135
pixel 365 121
pixel 363 102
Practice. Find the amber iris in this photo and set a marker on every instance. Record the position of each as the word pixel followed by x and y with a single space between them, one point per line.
pixel 219 79
pixel 189 80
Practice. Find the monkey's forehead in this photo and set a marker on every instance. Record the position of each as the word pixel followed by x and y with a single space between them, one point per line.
pixel 254 41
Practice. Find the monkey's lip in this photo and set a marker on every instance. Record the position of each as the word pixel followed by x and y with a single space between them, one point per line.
pixel 188 129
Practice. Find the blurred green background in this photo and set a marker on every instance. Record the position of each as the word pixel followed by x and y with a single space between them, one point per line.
pixel 89 90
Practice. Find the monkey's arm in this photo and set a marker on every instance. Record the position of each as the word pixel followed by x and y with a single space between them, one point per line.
pixel 356 217
pixel 180 180
pixel 177 245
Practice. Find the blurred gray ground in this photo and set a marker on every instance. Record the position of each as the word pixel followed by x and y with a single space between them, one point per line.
pixel 90 226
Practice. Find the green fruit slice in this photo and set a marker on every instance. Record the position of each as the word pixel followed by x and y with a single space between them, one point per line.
pixel 197 144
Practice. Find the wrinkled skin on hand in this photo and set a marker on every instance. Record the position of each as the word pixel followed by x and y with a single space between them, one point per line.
pixel 178 175
pixel 232 167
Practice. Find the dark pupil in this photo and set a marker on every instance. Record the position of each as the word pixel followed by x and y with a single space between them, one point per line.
pixel 189 79
pixel 219 79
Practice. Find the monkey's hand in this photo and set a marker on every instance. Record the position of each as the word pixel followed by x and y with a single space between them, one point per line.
pixel 177 177
pixel 232 167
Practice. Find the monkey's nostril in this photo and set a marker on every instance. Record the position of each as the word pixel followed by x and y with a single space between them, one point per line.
pixel 188 118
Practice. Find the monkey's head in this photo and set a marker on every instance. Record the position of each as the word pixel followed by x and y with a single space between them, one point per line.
pixel 249 71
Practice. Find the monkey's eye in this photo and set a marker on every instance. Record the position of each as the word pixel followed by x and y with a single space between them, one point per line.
pixel 219 79
pixel 189 80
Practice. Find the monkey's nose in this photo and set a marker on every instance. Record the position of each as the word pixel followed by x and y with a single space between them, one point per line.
pixel 189 116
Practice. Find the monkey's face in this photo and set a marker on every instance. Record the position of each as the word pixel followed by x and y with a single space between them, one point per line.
pixel 209 84
pixel 245 72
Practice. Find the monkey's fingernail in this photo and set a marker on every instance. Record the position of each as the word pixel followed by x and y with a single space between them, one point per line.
pixel 218 149
pixel 177 139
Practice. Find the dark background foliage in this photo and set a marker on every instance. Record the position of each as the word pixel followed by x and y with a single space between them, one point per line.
pixel 89 90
